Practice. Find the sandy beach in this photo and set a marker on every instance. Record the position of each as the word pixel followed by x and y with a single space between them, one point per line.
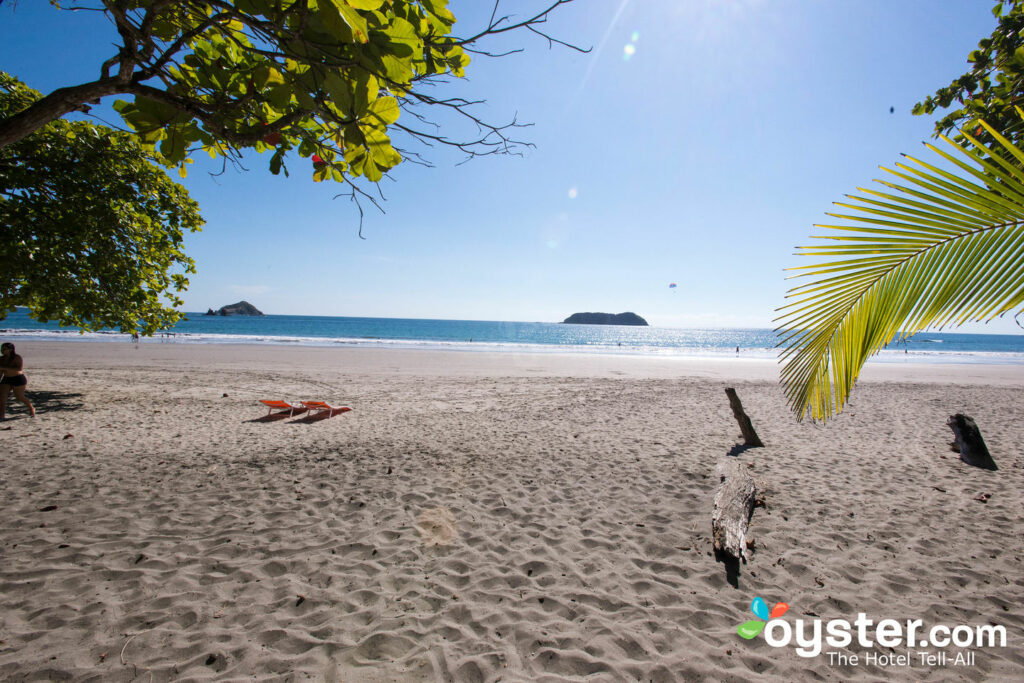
pixel 485 517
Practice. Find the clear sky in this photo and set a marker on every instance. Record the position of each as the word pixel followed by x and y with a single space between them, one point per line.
pixel 697 143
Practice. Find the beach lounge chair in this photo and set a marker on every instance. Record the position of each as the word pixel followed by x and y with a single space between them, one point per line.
pixel 282 406
pixel 320 406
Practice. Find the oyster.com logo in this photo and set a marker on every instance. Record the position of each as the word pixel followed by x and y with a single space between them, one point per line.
pixel 750 629
pixel 833 637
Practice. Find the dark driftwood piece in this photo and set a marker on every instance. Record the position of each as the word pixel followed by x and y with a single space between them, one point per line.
pixel 734 504
pixel 749 435
pixel 973 450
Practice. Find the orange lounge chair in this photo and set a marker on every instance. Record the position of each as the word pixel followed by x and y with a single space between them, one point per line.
pixel 320 406
pixel 282 406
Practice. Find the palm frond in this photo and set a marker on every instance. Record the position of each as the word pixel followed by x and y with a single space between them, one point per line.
pixel 935 247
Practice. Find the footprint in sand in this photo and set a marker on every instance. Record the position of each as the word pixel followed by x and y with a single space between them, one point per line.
pixel 437 526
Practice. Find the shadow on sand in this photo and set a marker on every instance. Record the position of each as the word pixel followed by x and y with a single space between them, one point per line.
pixel 46 402
pixel 739 448
pixel 311 418
pixel 732 567
pixel 273 417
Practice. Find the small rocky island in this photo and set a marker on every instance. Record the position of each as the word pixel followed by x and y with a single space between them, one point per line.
pixel 605 319
pixel 241 308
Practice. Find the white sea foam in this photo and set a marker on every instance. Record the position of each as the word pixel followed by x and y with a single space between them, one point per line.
pixel 916 355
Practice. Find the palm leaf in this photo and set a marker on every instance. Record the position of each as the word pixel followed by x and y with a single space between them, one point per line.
pixel 934 247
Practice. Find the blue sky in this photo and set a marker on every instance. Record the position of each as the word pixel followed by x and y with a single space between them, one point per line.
pixel 697 143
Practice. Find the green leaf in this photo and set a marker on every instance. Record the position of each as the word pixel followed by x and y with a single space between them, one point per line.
pixel 398 70
pixel 366 91
pixel 385 110
pixel 251 6
pixel 158 111
pixel 343 21
pixel 403 40
pixel 381 151
pixel 372 172
pixel 333 23
pixel 365 4
pixel 321 172
pixel 439 8
pixel 173 147
pixel 276 161
pixel 750 629
pixel 341 92
pixel 457 60
pixel 939 249
pixel 280 96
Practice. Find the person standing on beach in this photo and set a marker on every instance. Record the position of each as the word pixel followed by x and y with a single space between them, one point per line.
pixel 12 378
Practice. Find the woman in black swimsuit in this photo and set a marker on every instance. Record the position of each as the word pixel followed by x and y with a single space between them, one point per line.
pixel 12 378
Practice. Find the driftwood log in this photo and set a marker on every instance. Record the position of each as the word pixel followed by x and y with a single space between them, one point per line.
pixel 750 437
pixel 734 504
pixel 973 450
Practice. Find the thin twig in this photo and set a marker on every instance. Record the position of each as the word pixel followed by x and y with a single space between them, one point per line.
pixel 130 639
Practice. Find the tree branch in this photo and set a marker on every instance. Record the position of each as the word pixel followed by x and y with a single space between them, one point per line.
pixel 494 26
pixel 60 102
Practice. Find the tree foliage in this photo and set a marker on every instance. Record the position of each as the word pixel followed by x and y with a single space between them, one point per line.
pixel 93 230
pixel 329 80
pixel 993 86
pixel 941 244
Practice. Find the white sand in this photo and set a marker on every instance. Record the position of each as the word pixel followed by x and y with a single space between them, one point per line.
pixel 479 517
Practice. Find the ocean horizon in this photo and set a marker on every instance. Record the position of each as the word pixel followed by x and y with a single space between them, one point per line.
pixel 516 337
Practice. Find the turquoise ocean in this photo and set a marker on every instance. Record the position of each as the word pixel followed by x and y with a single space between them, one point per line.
pixel 512 337
pixel 516 337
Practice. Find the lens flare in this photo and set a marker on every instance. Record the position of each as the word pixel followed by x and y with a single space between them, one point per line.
pixel 630 49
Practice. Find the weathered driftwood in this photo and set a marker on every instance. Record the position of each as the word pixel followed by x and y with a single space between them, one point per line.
pixel 973 450
pixel 746 427
pixel 734 503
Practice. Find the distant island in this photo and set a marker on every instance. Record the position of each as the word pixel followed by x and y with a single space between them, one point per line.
pixel 241 308
pixel 605 319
